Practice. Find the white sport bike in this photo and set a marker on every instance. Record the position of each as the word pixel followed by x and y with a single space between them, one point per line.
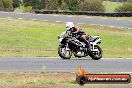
pixel 69 45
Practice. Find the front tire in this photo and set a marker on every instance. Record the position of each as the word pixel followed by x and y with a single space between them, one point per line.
pixel 96 56
pixel 62 52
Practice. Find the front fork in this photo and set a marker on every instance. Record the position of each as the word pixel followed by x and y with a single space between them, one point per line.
pixel 93 47
pixel 66 46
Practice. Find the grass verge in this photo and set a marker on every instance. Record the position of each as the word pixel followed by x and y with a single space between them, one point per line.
pixel 47 80
pixel 29 79
pixel 22 38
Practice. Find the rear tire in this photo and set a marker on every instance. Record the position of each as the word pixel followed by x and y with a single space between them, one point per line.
pixel 93 55
pixel 62 55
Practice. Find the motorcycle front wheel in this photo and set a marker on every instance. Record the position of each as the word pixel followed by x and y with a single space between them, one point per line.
pixel 64 53
pixel 96 55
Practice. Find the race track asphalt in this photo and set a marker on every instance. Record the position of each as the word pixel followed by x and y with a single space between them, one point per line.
pixel 76 19
pixel 18 64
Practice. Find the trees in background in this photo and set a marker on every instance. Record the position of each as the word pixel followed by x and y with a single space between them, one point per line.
pixel 51 5
pixel 6 5
pixel 34 3
pixel 92 5
pixel 126 7
pixel 68 5
pixel 16 3
pixel 72 5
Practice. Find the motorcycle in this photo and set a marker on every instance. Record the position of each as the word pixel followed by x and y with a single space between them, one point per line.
pixel 71 45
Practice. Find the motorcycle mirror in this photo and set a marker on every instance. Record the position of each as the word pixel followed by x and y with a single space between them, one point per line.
pixel 58 37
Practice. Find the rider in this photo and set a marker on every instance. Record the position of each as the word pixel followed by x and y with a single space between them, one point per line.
pixel 83 36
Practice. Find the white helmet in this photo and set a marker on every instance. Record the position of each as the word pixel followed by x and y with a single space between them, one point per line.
pixel 69 25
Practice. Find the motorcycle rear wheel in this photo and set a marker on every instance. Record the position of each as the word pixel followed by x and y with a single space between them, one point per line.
pixel 62 52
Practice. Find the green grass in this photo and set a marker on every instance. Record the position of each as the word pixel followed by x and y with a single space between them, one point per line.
pixel 39 80
pixel 29 79
pixel 26 38
pixel 110 6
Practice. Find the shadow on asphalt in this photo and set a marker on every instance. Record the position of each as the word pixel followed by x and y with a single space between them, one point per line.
pixel 81 59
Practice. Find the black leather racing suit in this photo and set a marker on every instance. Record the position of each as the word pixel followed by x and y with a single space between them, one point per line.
pixel 78 35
